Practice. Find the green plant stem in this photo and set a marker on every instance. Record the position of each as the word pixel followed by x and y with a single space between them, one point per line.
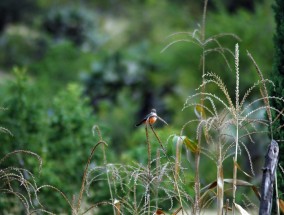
pixel 160 142
pixel 85 175
pixel 237 109
pixel 73 205
pixel 277 194
pixel 227 206
pixel 148 149
pixel 149 166
pixel 177 160
pixel 175 174
pixel 235 167
pixel 220 182
pixel 108 181
pixel 197 184
pixel 135 199
pixel 158 168
pixel 196 207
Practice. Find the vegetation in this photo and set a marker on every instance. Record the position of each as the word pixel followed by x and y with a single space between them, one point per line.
pixel 87 67
pixel 278 78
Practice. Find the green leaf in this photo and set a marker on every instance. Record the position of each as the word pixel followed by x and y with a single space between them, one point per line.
pixel 199 112
pixel 239 168
pixel 177 140
pixel 190 144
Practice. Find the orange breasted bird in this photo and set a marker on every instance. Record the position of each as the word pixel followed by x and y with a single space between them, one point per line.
pixel 150 118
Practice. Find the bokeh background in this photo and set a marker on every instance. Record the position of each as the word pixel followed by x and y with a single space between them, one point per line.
pixel 68 65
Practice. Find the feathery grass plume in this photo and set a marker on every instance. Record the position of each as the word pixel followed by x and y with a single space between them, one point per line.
pixel 164 151
pixel 198 37
pixel 264 93
pixel 17 181
pixel 144 189
pixel 230 129
pixel 263 89
pixel 20 182
pixel 75 206
pixel 47 186
pixel 235 160
pixel 5 130
pixel 2 129
pixel 95 130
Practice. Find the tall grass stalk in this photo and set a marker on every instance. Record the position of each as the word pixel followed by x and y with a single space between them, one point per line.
pixel 148 195
pixel 196 210
pixel 235 160
pixel 264 93
pixel 198 37
pixel 220 179
pixel 227 128
pixel 176 168
pixel 116 210
pixel 101 141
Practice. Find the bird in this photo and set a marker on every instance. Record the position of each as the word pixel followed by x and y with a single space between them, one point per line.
pixel 150 118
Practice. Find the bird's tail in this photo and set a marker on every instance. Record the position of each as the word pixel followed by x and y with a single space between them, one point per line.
pixel 140 123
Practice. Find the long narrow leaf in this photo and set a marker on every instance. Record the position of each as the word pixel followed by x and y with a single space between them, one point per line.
pixel 239 168
pixel 230 181
pixel 281 205
pixel 244 183
pixel 263 89
pixel 241 210
pixel 190 145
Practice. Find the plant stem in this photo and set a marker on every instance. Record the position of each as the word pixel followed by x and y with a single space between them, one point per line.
pixel 220 181
pixel 276 193
pixel 158 167
pixel 227 207
pixel 237 109
pixel 149 166
pixel 108 180
pixel 196 208
pixel 197 183
pixel 85 174
pixel 148 149
pixel 160 142
pixel 235 168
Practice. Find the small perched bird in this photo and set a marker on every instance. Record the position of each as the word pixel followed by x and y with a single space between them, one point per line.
pixel 151 118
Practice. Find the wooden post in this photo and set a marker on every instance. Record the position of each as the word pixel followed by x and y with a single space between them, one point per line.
pixel 268 178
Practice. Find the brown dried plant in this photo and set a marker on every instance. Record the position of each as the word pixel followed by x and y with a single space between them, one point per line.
pixel 229 129
pixel 198 38
pixel 19 182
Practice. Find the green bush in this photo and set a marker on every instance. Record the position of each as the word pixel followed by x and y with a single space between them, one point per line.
pixel 26 120
pixel 60 133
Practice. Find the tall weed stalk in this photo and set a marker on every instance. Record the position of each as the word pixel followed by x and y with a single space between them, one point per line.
pixel 198 37
pixel 228 128
pixel 20 182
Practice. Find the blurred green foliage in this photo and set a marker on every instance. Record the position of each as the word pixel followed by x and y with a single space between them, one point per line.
pixel 19 46
pixel 112 53
pixel 60 133
pixel 62 63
